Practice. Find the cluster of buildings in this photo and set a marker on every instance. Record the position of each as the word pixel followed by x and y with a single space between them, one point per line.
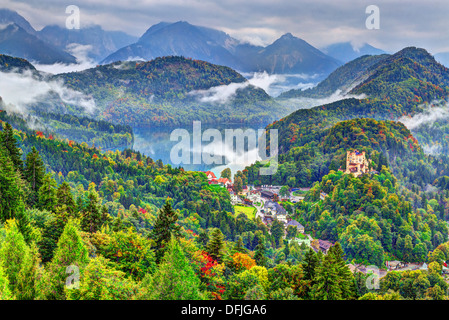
pixel 265 199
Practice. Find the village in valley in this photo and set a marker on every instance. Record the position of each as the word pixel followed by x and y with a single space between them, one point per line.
pixel 269 202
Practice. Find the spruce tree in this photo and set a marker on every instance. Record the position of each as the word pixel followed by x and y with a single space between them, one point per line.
pixel 277 231
pixel 91 220
pixel 326 285
pixel 9 142
pixel 70 251
pixel 203 238
pixel 13 256
pixel 175 278
pixel 239 247
pixel 65 198
pixel 47 194
pixel 11 196
pixel 164 228
pixel 5 293
pixel 309 267
pixel 215 245
pixel 259 254
pixel 26 282
pixel 34 173
pixel 343 272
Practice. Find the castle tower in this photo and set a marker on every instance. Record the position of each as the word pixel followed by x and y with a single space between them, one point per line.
pixel 356 163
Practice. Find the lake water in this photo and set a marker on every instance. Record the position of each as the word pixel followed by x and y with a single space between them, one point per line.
pixel 156 143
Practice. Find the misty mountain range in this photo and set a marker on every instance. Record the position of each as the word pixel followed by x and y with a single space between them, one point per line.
pixel 286 55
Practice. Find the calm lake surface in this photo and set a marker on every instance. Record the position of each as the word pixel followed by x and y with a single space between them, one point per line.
pixel 155 142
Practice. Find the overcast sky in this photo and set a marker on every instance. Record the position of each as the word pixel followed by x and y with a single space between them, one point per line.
pixel 319 22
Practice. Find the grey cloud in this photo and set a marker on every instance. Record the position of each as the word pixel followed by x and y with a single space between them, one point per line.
pixel 419 23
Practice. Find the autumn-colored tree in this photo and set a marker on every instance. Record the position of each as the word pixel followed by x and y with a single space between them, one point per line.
pixel 241 262
pixel 238 184
pixel 131 253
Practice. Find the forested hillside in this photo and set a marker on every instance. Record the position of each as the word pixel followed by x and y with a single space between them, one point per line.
pixel 400 86
pixel 386 143
pixel 167 91
pixel 148 230
pixel 343 79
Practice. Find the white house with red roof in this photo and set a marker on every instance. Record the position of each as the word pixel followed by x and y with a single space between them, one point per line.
pixel 210 175
pixel 224 182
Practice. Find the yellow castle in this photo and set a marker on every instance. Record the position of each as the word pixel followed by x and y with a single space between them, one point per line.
pixel 356 163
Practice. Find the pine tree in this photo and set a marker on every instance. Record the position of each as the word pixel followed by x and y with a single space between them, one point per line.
pixel 277 231
pixel 26 282
pixel 34 173
pixel 175 278
pixel 424 201
pixel 70 251
pixel 13 255
pixel 203 238
pixel 215 245
pixel 382 162
pixel 310 265
pixel 259 254
pixel 326 285
pixel 164 228
pixel 5 293
pixel 344 274
pixel 47 194
pixel 9 142
pixel 239 247
pixel 11 196
pixel 64 197
pixel 91 220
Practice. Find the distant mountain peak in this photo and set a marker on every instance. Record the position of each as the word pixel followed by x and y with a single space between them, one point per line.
pixel 16 41
pixel 288 54
pixel 8 16
pixel 288 35
pixel 348 51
